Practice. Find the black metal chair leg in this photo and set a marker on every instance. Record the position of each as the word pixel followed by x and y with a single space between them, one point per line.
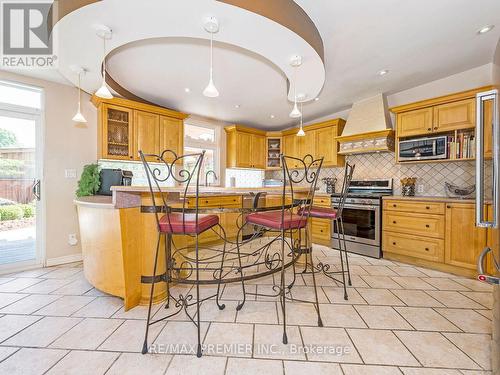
pixel 320 321
pixel 145 345
pixel 282 288
pixel 240 305
pixel 168 270
pixel 341 260
pixel 345 252
pixel 198 351
pixel 219 305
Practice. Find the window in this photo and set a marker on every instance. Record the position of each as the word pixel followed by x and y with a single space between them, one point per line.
pixel 20 95
pixel 199 136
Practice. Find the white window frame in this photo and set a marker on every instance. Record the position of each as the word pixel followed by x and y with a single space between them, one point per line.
pixel 206 145
pixel 38 115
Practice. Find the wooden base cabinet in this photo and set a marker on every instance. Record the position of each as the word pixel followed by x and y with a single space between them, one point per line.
pixel 125 127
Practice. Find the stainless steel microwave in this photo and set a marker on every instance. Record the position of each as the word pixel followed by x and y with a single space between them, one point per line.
pixel 424 148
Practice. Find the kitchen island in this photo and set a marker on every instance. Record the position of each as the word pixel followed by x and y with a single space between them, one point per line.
pixel 118 234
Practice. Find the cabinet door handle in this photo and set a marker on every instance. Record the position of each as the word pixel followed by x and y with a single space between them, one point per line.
pixel 427 226
pixel 394 243
pixel 394 221
pixel 435 127
pixel 448 206
pixel 427 208
pixel 426 249
pixel 394 205
pixel 429 129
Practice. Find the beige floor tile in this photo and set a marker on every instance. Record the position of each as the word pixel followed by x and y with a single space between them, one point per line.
pixel 475 372
pixel 237 366
pixel 31 361
pixel 358 282
pixel 46 286
pixel 62 273
pixel 433 273
pixel 342 316
pixel 454 299
pixel 476 346
pixel 268 342
pixel 191 365
pixel 88 334
pixel 369 370
pixel 267 292
pixel 407 271
pixel 4 280
pixel 129 337
pixel 229 339
pixel 486 313
pixel 101 307
pixel 467 320
pixel 37 272
pixel 316 368
pixel 19 284
pixel 336 295
pixel 235 292
pixel 306 293
pixel 382 317
pixel 381 347
pixel 426 319
pixel 138 312
pixel 335 345
pixel 429 371
pixel 475 285
pixel 43 332
pixel 75 288
pixel 178 337
pixel 134 363
pixel 6 351
pixel 442 283
pixel 484 298
pixel 30 304
pixel 412 282
pixel 379 297
pixel 417 298
pixel 433 350
pixel 381 282
pixel 9 298
pixel 258 312
pixel 379 271
pixel 96 293
pixel 12 324
pixel 84 362
pixel 299 314
pixel 380 262
pixel 65 306
pixel 322 280
pixel 210 312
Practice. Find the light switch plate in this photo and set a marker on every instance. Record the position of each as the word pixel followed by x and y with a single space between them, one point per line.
pixel 70 173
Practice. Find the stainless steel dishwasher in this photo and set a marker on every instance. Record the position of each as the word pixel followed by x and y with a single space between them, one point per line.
pixel 252 201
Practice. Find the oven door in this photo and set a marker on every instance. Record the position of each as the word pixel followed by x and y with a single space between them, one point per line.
pixel 361 224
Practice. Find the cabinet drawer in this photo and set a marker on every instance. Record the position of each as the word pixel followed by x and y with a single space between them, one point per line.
pixel 321 229
pixel 413 246
pixel 436 208
pixel 217 201
pixel 416 224
pixel 322 201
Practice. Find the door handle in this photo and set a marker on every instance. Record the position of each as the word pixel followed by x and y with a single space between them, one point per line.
pixel 480 268
pixel 36 189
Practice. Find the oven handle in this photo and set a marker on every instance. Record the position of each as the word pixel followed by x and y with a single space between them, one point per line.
pixel 360 207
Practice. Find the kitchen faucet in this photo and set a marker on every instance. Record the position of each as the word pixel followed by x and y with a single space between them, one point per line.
pixel 206 177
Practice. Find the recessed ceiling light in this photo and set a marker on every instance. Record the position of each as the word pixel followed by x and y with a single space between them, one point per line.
pixel 383 72
pixel 272 116
pixel 187 89
pixel 237 106
pixel 316 99
pixel 485 29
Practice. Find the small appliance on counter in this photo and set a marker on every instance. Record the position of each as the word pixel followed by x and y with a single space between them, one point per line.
pixel 113 177
pixel 429 148
pixel 408 186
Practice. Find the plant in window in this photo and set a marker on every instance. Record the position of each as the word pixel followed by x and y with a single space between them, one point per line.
pixel 89 181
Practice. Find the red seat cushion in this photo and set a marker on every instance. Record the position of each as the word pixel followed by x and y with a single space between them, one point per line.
pixel 321 212
pixel 273 220
pixel 178 223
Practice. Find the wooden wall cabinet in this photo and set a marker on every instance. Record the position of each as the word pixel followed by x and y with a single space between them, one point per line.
pixel 455 115
pixel 417 122
pixel 126 126
pixel 246 147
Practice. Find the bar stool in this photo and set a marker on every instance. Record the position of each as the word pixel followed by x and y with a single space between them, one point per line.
pixel 179 221
pixel 335 216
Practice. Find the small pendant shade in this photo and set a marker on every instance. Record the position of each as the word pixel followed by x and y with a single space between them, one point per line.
pixel 78 117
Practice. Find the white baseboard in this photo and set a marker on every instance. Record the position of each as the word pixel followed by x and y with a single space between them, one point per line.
pixel 63 260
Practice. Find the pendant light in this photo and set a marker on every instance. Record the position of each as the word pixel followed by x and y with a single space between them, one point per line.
pixel 301 132
pixel 295 62
pixel 104 32
pixel 79 117
pixel 211 26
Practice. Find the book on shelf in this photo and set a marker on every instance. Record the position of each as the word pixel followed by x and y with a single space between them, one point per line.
pixel 463 146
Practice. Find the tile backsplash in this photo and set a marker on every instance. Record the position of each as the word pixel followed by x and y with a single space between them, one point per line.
pixel 245 177
pixel 383 165
pixel 140 178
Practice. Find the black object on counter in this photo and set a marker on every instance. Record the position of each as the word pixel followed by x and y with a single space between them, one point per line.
pixel 113 177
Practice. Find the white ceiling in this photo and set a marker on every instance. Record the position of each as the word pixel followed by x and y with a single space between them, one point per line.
pixel 416 40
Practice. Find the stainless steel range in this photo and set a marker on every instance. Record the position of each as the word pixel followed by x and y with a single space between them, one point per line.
pixel 362 216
